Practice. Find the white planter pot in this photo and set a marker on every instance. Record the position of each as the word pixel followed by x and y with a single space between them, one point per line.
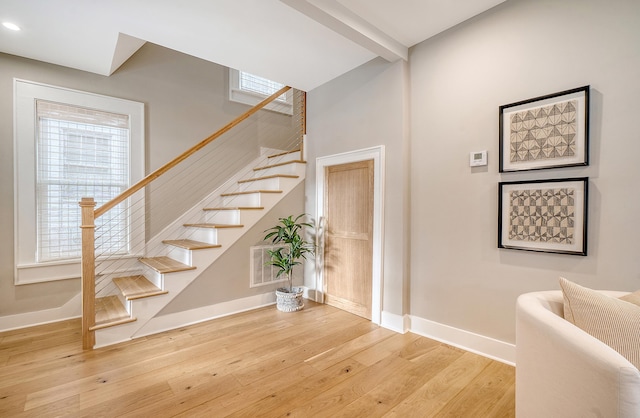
pixel 289 301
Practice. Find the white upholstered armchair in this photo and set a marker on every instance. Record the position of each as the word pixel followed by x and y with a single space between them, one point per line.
pixel 561 371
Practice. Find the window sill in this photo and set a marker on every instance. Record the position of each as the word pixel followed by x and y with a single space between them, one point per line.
pixel 52 271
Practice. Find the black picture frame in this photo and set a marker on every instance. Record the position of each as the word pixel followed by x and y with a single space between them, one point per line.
pixel 544 215
pixel 550 131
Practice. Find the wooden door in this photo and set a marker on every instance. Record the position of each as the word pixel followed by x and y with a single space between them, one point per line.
pixel 349 236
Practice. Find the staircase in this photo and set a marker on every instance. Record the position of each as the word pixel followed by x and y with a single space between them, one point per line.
pixel 126 302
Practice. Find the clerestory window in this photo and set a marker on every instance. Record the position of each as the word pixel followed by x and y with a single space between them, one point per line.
pixel 251 89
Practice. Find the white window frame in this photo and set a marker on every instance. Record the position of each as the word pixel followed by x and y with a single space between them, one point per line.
pixel 251 98
pixel 27 269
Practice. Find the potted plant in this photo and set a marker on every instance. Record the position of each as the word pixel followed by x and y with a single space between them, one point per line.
pixel 293 247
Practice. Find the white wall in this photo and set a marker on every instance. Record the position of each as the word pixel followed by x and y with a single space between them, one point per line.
pixel 518 50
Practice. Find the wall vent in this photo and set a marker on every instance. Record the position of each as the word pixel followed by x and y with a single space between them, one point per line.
pixel 261 273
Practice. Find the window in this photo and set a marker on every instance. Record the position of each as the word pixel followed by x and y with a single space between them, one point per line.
pixel 260 85
pixel 80 152
pixel 69 145
pixel 252 89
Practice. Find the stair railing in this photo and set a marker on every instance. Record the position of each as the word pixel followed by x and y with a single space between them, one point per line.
pixel 89 212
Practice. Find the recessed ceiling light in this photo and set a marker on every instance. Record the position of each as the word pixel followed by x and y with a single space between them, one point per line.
pixel 11 26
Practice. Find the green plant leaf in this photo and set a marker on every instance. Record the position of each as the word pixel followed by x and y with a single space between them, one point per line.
pixel 287 232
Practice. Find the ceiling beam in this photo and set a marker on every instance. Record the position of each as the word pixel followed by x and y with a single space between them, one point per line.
pixel 341 20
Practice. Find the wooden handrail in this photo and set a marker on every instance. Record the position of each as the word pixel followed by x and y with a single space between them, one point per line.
pixel 168 166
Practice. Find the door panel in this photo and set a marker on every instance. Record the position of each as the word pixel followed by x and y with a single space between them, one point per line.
pixel 349 236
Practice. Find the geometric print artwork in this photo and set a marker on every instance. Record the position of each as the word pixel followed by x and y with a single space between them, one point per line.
pixel 543 215
pixel 543 133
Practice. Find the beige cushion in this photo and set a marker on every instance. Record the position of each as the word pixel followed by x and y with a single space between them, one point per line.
pixel 613 321
pixel 632 297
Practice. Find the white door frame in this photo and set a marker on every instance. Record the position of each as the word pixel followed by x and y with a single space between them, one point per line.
pixel 377 155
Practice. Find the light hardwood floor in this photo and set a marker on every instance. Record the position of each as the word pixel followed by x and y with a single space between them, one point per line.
pixel 317 362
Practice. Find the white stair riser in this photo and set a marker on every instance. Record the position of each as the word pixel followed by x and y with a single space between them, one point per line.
pixel 191 257
pixel 297 169
pixel 209 235
pixel 227 217
pixel 270 199
pixel 180 254
pixel 153 276
pixel 284 169
pixel 292 156
pixel 126 303
pixel 251 200
pixel 169 281
pixel 263 184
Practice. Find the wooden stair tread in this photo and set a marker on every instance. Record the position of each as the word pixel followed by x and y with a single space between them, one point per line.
pixel 110 312
pixel 189 244
pixel 279 164
pixel 250 192
pixel 273 176
pixel 284 153
pixel 165 264
pixel 137 287
pixel 236 208
pixel 218 226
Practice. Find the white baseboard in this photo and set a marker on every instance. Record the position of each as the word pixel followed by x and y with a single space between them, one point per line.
pixel 70 310
pixel 469 341
pixel 394 322
pixel 205 313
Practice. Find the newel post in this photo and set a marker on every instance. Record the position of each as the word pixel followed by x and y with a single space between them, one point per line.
pixel 87 205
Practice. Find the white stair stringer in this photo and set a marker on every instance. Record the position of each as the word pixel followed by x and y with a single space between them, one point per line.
pixel 145 309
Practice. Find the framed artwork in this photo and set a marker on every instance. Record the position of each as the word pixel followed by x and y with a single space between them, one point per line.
pixel 544 215
pixel 550 131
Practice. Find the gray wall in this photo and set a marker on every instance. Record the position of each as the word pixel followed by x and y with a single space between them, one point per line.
pixel 518 50
pixel 185 101
pixel 363 108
